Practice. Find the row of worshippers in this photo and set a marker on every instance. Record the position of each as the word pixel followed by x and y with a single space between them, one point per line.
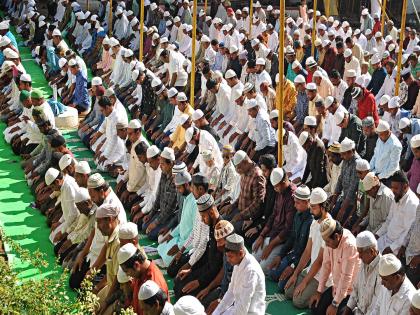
pixel 243 212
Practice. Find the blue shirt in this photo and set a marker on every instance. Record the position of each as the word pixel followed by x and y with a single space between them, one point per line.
pixel 13 42
pixel 80 95
pixel 415 130
pixel 217 62
pixel 386 157
pixel 264 133
pixel 378 78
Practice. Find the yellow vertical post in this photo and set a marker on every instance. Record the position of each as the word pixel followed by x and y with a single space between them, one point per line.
pixel 205 7
pixel 141 30
pixel 327 8
pixel 281 83
pixel 314 28
pixel 400 51
pixel 251 15
pixel 87 4
pixel 110 19
pixel 383 14
pixel 193 52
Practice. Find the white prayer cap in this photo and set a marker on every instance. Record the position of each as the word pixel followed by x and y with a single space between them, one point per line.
pixel 164 40
pixel 356 32
pixel 391 47
pixel 148 289
pixel 366 239
pixel 183 119
pixel 269 8
pixel 394 102
pixel 322 27
pixel 331 32
pixel 169 22
pixel 368 32
pixel 415 300
pixel 83 167
pixel 172 92
pixel 255 42
pixel 365 11
pixel 72 62
pixel 325 43
pixel 126 252
pixel 122 276
pixel 156 82
pixel 5 41
pixel 128 231
pixel 382 126
pixel 4 25
pixel 296 64
pixel 350 73
pixel 318 195
pixel 362 165
pixel 388 265
pixel 311 86
pixel 276 176
pixel 152 151
pixel 51 175
pixel 198 114
pixel 134 124
pixel 303 137
pixel 233 49
pixel 347 53
pixel 41 23
pixel 62 62
pixel 251 103
pixel 155 36
pixel 119 11
pixel 95 180
pixel 274 114
pixel 205 39
pixel 10 53
pixel 97 81
pixel 378 35
pixel 260 62
pixel 177 19
pixel 25 77
pixel 109 92
pixel 370 181
pixel 168 153
pixel 310 121
pixel 289 50
pixel 384 99
pixel 230 74
pixel 299 79
pixel 345 24
pixel 153 6
pixel 189 305
pixel 415 141
pixel 375 59
pixel 303 192
pixel 238 157
pixel 339 116
pixel 329 100
pixel 181 97
pixel 128 53
pixel 346 145
pixel 113 42
pixel 317 74
pixel 56 32
pixel 404 122
pixel 65 161
pixel 82 194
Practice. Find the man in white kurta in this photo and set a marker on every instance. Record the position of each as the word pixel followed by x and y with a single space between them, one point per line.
pixel 246 292
pixel 294 156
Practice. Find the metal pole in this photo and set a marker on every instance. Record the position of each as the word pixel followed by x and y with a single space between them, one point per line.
pixel 383 14
pixel 313 28
pixel 251 15
pixel 141 29
pixel 327 8
pixel 400 51
pixel 87 4
pixel 205 7
pixel 110 19
pixel 194 35
pixel 281 83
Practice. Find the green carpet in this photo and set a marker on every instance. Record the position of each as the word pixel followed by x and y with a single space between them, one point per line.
pixel 28 227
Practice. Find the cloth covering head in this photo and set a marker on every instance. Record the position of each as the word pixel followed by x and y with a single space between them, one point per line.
pixel 366 239
pixel 128 231
pixel 388 265
pixel 223 229
pixel 189 305
pixel 107 211
pixel 205 202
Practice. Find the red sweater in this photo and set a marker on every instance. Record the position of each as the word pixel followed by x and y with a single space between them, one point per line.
pixel 367 107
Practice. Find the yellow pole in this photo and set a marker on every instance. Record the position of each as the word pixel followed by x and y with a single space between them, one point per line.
pixel 193 52
pixel 400 51
pixel 110 19
pixel 314 29
pixel 383 14
pixel 251 15
pixel 327 8
pixel 141 29
pixel 87 4
pixel 281 83
pixel 205 7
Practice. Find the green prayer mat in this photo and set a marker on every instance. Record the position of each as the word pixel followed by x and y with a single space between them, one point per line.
pixel 28 226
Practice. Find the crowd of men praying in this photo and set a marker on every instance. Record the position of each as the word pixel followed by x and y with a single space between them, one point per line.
pixel 334 220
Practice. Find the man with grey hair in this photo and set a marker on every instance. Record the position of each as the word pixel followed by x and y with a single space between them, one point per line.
pixel 368 282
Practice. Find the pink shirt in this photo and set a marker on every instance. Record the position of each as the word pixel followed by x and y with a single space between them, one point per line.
pixel 106 62
pixel 344 263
